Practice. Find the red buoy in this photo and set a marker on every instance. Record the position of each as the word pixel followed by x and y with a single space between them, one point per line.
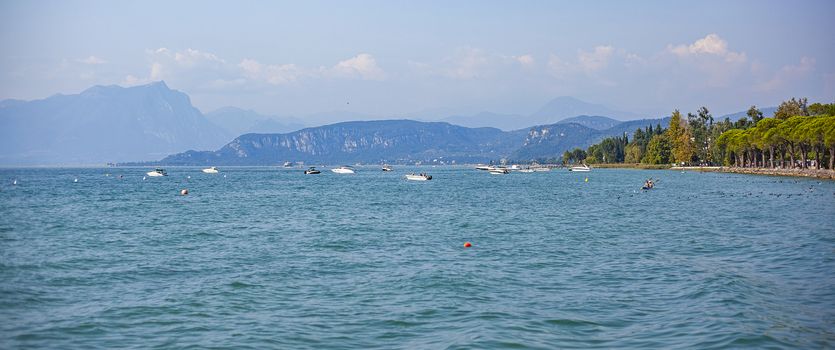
pixel 467 244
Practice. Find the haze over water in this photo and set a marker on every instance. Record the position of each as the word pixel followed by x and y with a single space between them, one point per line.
pixel 265 257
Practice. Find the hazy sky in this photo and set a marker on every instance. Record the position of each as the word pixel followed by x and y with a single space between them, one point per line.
pixel 398 57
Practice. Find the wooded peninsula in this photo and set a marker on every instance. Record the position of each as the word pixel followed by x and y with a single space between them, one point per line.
pixel 798 136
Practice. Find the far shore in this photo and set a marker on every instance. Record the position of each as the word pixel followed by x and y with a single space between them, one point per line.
pixel 632 166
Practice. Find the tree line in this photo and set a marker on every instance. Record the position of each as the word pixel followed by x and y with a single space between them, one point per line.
pixel 798 136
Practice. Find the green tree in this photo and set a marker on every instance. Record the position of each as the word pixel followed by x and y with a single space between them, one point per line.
pixel 680 139
pixel 729 142
pixel 699 127
pixel 566 157
pixel 822 109
pixel 768 138
pixel 829 139
pixel 594 154
pixel 791 139
pixel 658 150
pixel 791 108
pixel 754 114
pixel 633 153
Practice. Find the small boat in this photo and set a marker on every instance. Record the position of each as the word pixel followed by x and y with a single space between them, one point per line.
pixel 210 170
pixel 526 170
pixel 343 170
pixel 541 169
pixel 582 168
pixel 418 177
pixel 482 167
pixel 312 170
pixel 499 171
pixel 387 168
pixel 157 172
pixel 288 164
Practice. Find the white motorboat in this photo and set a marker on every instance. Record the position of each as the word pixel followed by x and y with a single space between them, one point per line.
pixel 311 171
pixel 387 168
pixel 343 170
pixel 210 170
pixel 482 167
pixel 288 165
pixel 541 169
pixel 526 170
pixel 157 172
pixel 581 168
pixel 419 177
pixel 499 171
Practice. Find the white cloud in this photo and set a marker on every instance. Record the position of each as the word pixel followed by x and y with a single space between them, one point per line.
pixel 131 80
pixel 526 61
pixel 708 62
pixel 157 71
pixel 712 44
pixel 282 74
pixel 285 73
pixel 191 57
pixel 466 63
pixel 558 68
pixel 591 65
pixel 251 67
pixel 788 74
pixel 595 60
pixel 91 60
pixel 363 66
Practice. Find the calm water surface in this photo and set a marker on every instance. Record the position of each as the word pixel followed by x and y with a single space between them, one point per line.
pixel 272 258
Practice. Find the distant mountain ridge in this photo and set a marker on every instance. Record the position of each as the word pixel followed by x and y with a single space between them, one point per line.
pixel 361 141
pixel 238 121
pixel 104 124
pixel 555 110
pixel 116 124
pixel 566 106
pixel 403 141
pixel 594 122
pixel 766 111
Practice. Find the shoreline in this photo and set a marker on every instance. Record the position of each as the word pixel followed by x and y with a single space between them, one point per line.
pixel 825 174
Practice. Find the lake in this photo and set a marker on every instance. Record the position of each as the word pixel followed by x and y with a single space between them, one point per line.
pixel 258 257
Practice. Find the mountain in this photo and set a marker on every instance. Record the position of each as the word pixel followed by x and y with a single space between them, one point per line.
pixel 237 121
pixel 104 124
pixel 323 118
pixel 566 107
pixel 547 141
pixel 594 122
pixel 767 112
pixel 404 141
pixel 488 119
pixel 363 141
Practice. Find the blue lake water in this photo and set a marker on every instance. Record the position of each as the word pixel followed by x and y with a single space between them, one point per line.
pixel 271 258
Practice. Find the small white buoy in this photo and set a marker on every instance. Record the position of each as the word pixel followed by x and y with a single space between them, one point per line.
pixel 184 191
pixel 188 177
pixel 143 178
pixel 14 182
pixel 75 180
pixel 224 176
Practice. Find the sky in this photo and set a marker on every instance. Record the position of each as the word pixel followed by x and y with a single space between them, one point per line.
pixel 426 58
